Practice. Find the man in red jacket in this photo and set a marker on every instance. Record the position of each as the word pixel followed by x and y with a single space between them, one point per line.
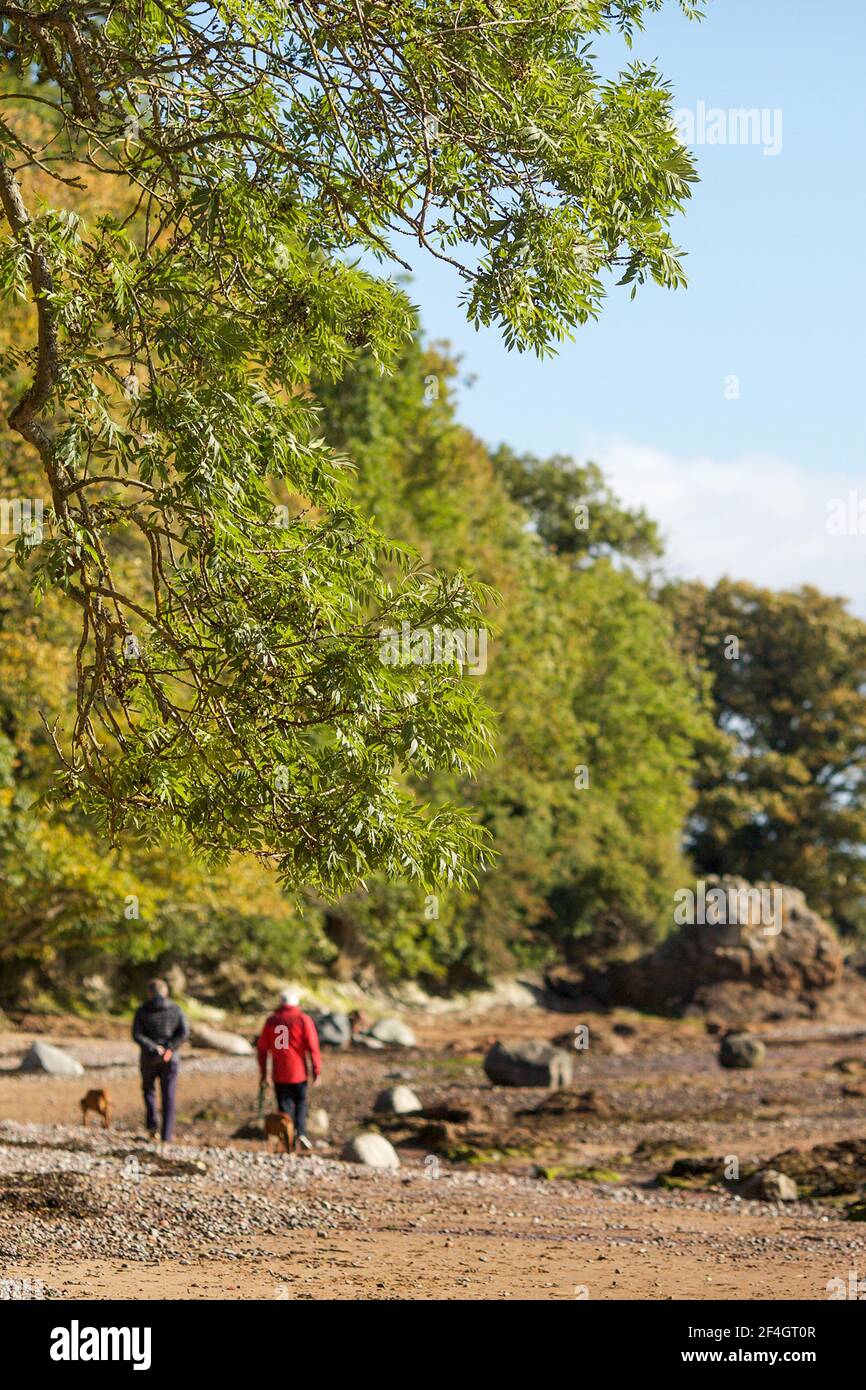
pixel 290 1038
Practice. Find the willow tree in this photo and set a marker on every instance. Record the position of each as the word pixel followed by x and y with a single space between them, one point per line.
pixel 273 161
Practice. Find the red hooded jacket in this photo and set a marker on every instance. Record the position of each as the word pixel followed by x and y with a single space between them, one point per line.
pixel 290 1037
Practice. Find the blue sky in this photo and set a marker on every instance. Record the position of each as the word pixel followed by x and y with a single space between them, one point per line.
pixel 776 298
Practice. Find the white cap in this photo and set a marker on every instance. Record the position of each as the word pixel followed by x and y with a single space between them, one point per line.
pixel 290 997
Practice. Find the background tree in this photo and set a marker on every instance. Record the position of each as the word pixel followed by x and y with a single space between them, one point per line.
pixel 584 671
pixel 228 690
pixel 783 795
pixel 572 509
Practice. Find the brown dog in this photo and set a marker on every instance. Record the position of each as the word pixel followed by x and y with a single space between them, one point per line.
pixel 100 1102
pixel 280 1127
pixel 358 1022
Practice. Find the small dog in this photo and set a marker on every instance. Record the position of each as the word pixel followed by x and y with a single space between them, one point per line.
pixel 98 1101
pixel 358 1022
pixel 280 1127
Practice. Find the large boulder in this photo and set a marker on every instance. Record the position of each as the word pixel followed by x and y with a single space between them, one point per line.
pixel 42 1057
pixel 529 1063
pixel 334 1030
pixel 397 1100
pixel 738 1050
pixel 202 1035
pixel 393 1032
pixel 758 947
pixel 373 1150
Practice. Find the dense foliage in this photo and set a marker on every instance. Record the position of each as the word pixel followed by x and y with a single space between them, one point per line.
pixel 583 673
pixel 195 638
pixel 251 468
pixel 229 693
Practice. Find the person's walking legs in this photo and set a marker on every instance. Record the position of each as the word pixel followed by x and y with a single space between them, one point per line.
pixel 148 1089
pixel 283 1090
pixel 292 1100
pixel 300 1090
pixel 168 1089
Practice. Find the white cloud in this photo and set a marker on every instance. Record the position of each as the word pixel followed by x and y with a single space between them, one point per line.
pixel 758 518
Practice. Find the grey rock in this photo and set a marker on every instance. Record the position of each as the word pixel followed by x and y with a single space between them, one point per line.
pixel 739 1050
pixel 397 1100
pixel 318 1123
pixel 96 989
pixel 334 1030
pixel 202 1035
pixel 770 1186
pixel 393 1032
pixel 176 980
pixel 373 1150
pixel 529 1063
pixel 42 1057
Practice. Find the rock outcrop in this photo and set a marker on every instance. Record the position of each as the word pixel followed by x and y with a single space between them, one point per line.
pixel 752 950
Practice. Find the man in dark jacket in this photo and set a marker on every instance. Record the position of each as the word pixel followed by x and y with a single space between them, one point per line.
pixel 159 1028
pixel 290 1039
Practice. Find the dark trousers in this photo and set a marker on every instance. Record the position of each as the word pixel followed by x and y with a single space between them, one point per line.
pixel 166 1074
pixel 292 1100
